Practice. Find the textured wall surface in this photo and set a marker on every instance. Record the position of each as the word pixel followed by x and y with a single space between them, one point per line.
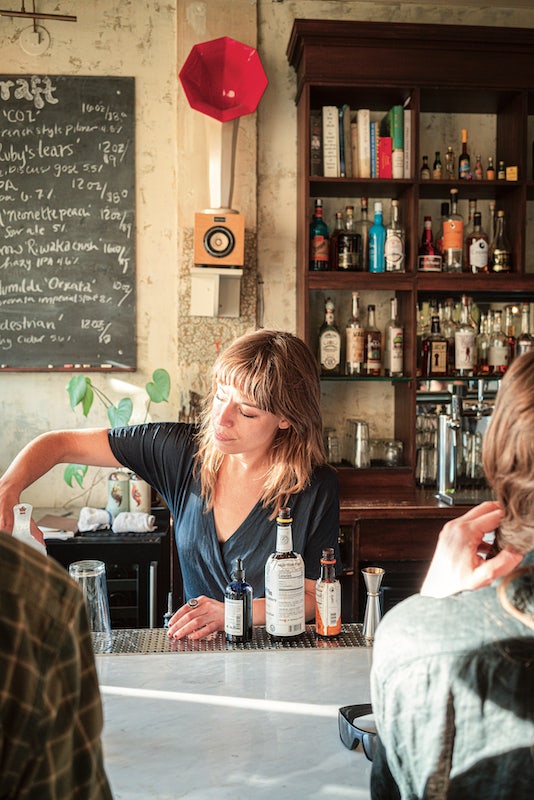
pixel 150 40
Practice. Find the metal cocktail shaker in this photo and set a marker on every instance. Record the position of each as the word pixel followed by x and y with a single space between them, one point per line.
pixel 373 578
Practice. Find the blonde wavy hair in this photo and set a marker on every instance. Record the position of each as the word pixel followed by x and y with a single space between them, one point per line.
pixel 278 372
pixel 508 454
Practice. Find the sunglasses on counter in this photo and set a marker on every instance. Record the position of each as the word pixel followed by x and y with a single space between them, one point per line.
pixel 351 735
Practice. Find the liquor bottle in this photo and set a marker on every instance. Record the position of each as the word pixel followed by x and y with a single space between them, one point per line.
pixel 477 247
pixel 345 242
pixel 464 344
pixel 373 344
pixel 319 240
pixel 437 168
pixel 428 259
pixel 448 328
pixel 500 254
pixel 420 334
pixel 501 171
pixel 424 172
pixel 355 340
pixel 434 356
pixel 238 597
pixel 453 237
pixel 479 170
pixel 490 170
pixel 329 342
pixel 450 164
pixel 438 241
pixel 394 344
pixel 362 227
pixel 394 247
pixel 328 597
pixel 377 240
pixel 499 351
pixel 22 514
pixel 509 330
pixel 284 584
pixel 482 345
pixel 468 228
pixel 464 161
pixel 333 245
pixel 525 340
pixel 491 231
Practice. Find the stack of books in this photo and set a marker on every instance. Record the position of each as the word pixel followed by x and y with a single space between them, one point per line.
pixel 347 143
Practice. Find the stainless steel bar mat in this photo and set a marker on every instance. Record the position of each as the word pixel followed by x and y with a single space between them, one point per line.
pixel 155 640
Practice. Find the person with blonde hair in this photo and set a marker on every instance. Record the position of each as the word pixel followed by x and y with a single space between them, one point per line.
pixel 452 681
pixel 258 447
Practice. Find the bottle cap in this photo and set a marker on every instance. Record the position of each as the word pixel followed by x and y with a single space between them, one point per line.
pixel 239 570
pixel 378 207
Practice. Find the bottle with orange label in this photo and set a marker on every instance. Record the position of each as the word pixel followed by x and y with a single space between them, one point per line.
pixel 453 237
pixel 328 597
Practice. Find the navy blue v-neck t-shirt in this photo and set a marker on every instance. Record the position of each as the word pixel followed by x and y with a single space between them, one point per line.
pixel 162 454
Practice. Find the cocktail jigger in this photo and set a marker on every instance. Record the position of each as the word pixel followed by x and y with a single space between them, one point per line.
pixel 373 578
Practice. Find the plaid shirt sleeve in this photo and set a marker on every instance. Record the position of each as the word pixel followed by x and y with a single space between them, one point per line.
pixel 50 707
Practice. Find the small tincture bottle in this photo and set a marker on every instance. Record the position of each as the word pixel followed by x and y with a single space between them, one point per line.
pixel 437 169
pixel 328 597
pixel 501 172
pixel 238 598
pixel 424 173
pixel 490 170
pixel 21 527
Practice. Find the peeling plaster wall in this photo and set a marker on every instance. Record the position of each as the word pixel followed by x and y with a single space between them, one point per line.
pixel 150 40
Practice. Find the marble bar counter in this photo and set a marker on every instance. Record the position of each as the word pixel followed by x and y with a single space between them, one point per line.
pixel 216 722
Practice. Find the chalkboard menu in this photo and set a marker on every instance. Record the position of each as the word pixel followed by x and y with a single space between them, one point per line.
pixel 67 227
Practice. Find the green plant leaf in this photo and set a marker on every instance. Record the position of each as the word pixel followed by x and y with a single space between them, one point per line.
pixel 158 389
pixel 76 472
pixel 120 414
pixel 80 391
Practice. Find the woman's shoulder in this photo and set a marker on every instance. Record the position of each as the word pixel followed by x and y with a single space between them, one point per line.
pixel 324 475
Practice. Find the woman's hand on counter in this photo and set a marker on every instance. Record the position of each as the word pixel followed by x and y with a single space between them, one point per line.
pixel 199 618
pixel 458 563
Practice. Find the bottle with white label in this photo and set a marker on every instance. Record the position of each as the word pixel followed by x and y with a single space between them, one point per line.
pixel 465 350
pixel 284 584
pixel 328 597
pixel 238 598
pixel 395 241
pixel 394 344
pixel 22 513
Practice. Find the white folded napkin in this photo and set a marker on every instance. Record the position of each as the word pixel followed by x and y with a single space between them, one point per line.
pixel 134 521
pixel 94 519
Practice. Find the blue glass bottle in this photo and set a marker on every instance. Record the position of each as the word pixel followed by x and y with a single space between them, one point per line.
pixel 377 241
pixel 238 598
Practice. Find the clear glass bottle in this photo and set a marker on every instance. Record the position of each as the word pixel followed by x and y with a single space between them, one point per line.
pixel 434 357
pixel 394 343
pixel 428 259
pixel 464 161
pixel 525 340
pixel 328 597
pixel 373 344
pixel 448 327
pixel 345 242
pixel 319 240
pixel 394 247
pixel 377 241
pixel 499 350
pixel 238 598
pixel 362 228
pixel 453 237
pixel 477 247
pixel 482 344
pixel 500 252
pixel 479 169
pixel 464 344
pixel 284 584
pixel 355 340
pixel 424 172
pixel 509 330
pixel 472 207
pixel 329 342
pixel 450 164
pixel 437 168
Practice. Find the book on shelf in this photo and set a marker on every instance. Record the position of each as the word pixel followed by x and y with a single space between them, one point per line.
pixel 345 142
pixel 330 142
pixel 407 141
pixel 364 142
pixel 385 167
pixel 396 126
pixel 373 148
pixel 354 147
pixel 316 142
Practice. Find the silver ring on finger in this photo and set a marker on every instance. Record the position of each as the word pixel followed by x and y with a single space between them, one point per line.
pixel 193 603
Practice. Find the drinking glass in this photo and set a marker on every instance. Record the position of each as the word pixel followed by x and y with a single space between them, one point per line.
pixel 91 577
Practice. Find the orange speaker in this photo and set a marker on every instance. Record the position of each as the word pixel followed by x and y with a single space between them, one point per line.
pixel 219 240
